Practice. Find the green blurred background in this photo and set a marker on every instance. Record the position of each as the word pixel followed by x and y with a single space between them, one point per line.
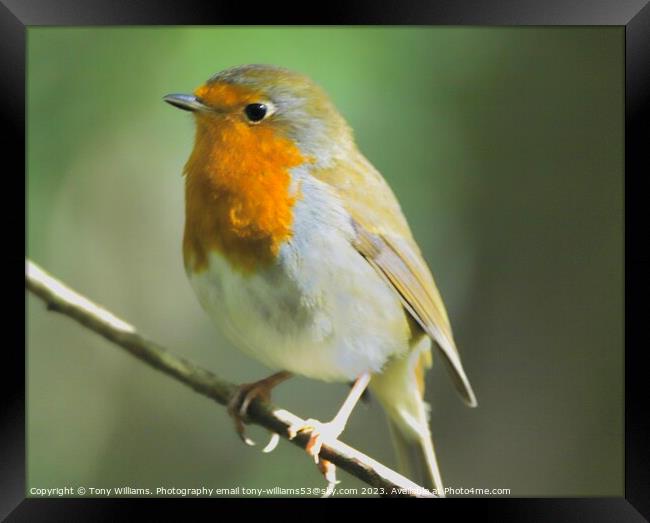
pixel 505 148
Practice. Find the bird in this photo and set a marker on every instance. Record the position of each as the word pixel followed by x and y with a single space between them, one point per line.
pixel 298 250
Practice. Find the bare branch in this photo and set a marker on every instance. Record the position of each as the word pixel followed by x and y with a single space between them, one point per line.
pixel 60 298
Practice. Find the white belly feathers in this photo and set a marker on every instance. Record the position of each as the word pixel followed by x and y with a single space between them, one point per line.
pixel 320 310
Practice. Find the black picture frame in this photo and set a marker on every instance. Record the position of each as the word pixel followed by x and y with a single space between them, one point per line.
pixel 634 15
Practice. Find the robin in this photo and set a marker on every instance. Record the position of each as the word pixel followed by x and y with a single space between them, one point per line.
pixel 297 248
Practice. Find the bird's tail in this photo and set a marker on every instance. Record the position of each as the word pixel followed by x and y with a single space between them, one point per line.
pixel 400 389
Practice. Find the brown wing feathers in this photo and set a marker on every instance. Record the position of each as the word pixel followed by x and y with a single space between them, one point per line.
pixel 396 261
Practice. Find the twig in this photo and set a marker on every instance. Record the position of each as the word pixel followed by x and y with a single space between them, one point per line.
pixel 64 300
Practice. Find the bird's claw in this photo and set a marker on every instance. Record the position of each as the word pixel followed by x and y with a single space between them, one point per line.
pixel 315 443
pixel 238 411
pixel 320 433
pixel 328 469
pixel 273 442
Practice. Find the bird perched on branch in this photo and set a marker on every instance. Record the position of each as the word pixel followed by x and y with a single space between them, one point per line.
pixel 297 248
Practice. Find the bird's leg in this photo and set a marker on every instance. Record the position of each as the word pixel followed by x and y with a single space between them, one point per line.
pixel 335 427
pixel 247 392
pixel 324 432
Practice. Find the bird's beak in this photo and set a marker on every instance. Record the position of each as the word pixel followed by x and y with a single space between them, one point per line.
pixel 187 102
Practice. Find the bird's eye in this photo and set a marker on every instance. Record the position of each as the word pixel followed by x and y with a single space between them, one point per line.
pixel 257 112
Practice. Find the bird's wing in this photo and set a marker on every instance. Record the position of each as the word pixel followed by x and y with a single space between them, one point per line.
pixel 384 239
pixel 404 269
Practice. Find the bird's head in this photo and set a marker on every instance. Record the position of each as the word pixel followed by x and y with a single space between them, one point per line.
pixel 269 107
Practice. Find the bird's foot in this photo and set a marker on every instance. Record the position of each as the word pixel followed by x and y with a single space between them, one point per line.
pixel 245 395
pixel 320 433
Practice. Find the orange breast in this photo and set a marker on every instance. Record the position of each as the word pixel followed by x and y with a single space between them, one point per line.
pixel 238 199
